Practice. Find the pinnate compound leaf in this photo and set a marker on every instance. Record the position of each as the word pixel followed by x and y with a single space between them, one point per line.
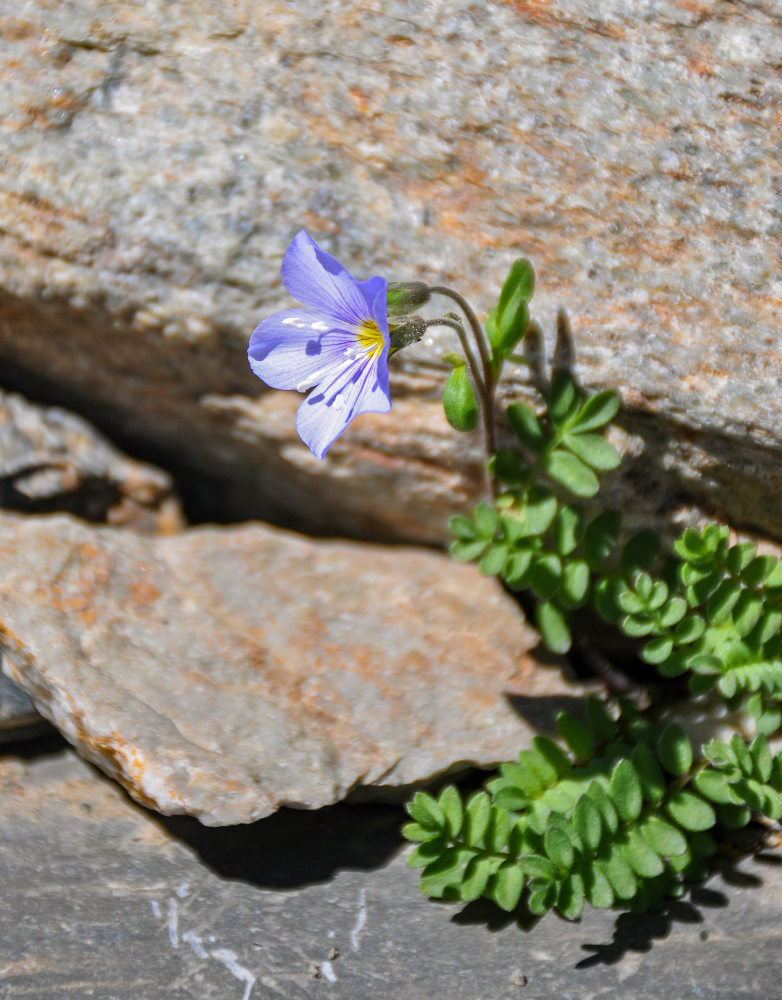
pixel 445 871
pixel 690 811
pixel 715 786
pixel 597 887
pixel 465 551
pixel 554 755
pixel 427 852
pixel 476 878
pixel 416 832
pixel 640 856
pixel 649 772
pixel 675 750
pixel 558 848
pixel 620 875
pixel 493 561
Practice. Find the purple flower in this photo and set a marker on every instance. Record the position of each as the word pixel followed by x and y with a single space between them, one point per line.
pixel 337 346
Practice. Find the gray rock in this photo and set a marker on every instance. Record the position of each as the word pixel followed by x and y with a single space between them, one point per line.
pixel 156 161
pixel 52 460
pixel 18 716
pixel 102 899
pixel 226 672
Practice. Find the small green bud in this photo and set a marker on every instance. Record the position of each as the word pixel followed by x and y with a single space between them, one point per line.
pixel 407 333
pixel 506 325
pixel 459 403
pixel 406 296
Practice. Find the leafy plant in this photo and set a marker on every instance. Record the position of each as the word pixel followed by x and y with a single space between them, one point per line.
pixel 625 814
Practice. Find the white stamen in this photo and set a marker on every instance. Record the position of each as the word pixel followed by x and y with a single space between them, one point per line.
pixel 351 354
pixel 320 326
pixel 300 324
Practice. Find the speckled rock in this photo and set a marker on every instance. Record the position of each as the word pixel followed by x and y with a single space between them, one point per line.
pixel 52 460
pixel 226 672
pixel 156 160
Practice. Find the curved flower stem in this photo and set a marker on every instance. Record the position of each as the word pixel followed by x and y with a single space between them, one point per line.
pixel 478 336
pixel 487 413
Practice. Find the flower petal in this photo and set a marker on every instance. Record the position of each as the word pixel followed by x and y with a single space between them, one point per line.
pixel 329 408
pixel 319 281
pixel 290 347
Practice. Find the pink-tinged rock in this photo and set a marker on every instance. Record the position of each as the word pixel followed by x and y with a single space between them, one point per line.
pixel 226 672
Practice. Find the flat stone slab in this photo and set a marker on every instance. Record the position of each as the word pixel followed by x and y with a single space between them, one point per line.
pixel 102 899
pixel 226 672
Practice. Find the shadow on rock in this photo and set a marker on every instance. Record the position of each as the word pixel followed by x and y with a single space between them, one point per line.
pixel 294 848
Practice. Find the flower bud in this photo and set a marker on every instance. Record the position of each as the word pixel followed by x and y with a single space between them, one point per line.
pixel 406 296
pixel 408 333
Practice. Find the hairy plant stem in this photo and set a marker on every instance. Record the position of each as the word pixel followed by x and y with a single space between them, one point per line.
pixel 478 335
pixel 486 405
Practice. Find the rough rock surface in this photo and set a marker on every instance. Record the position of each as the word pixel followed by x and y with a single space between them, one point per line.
pixel 102 899
pixel 157 158
pixel 226 672
pixel 52 460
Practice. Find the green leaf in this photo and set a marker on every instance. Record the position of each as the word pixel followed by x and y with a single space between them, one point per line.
pixel 508 467
pixel 558 848
pixel 568 529
pixel 715 786
pixel 476 818
pixel 614 866
pixel 587 822
pixel 445 871
pixel 599 796
pixel 574 583
pixel 721 602
pixel 597 887
pixel 576 735
pixel 747 611
pixel 598 410
pixel 459 402
pixel 450 803
pixel 663 837
pixel 742 754
pixel 675 750
pixel 535 866
pixel 427 852
pixel 526 426
pixel 690 811
pixel 498 830
pixel 486 520
pixel 462 527
pixel 640 856
pixel 649 772
pixel 689 630
pixel 517 567
pixel 425 810
pixel 657 650
pixel 762 759
pixel 571 895
pixel 759 570
pixel 544 577
pixel 640 552
pixel 625 790
pixel 493 562
pixel 516 291
pixel 571 473
pixel 553 627
pixel 476 878
pixel 507 886
pixel 554 756
pixel 601 536
pixel 539 510
pixel 563 398
pixel 542 898
pixel 740 556
pixel 464 551
pixel 593 450
pixel 416 832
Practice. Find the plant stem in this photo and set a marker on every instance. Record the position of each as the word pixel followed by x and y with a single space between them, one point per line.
pixel 487 412
pixel 477 332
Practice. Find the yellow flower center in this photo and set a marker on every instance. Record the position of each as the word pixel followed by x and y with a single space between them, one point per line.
pixel 370 338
